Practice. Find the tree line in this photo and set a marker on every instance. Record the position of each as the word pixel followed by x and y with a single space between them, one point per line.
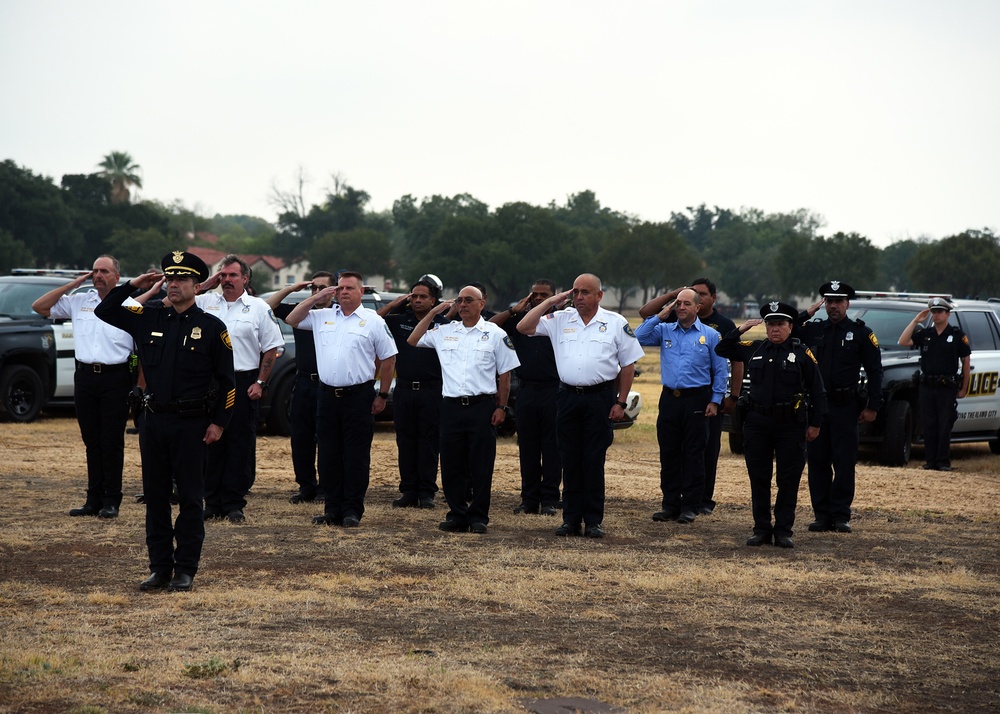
pixel 750 254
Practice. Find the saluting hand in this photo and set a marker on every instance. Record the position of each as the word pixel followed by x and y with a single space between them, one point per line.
pixel 752 322
pixel 442 306
pixel 147 280
pixel 814 308
pixel 922 315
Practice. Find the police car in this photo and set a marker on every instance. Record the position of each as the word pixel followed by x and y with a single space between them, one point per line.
pixel 898 425
pixel 36 355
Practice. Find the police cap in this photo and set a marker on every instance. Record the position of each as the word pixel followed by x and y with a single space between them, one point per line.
pixel 837 289
pixel 778 311
pixel 940 303
pixel 180 263
pixel 432 283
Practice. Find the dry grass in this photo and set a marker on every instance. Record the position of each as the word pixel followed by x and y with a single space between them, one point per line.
pixel 900 616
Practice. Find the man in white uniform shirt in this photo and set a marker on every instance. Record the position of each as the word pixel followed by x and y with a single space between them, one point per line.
pixel 101 383
pixel 351 343
pixel 596 353
pixel 255 335
pixel 473 354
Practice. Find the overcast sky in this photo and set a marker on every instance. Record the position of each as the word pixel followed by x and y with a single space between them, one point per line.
pixel 882 116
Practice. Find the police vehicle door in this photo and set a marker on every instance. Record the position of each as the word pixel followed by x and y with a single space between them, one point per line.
pixel 65 359
pixel 979 411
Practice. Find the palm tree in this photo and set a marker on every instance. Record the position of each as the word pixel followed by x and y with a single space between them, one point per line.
pixel 121 172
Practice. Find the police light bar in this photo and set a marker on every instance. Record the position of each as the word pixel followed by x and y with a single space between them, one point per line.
pixel 900 296
pixel 57 273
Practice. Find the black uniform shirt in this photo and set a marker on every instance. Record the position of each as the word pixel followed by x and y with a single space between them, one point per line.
pixel 413 364
pixel 538 362
pixel 716 320
pixel 778 372
pixel 842 348
pixel 183 355
pixel 305 347
pixel 940 355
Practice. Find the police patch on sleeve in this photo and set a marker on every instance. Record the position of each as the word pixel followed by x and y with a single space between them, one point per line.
pixel 137 309
pixel 270 313
pixel 628 330
pixel 811 356
pixel 746 343
pixel 965 339
pixel 226 341
pixel 507 341
pixel 387 330
pixel 873 338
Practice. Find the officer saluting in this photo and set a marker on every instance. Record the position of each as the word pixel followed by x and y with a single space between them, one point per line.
pixel 187 360
pixel 786 408
pixel 842 346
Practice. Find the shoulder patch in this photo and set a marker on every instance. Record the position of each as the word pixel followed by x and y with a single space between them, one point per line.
pixel 873 339
pixel 387 330
pixel 225 340
pixel 137 309
pixel 746 343
pixel 507 341
pixel 270 313
pixel 965 339
pixel 628 330
pixel 811 356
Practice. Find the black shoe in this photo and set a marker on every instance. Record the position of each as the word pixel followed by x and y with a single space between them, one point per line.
pixel 405 501
pixel 942 467
pixel 549 511
pixel 426 502
pixel 783 541
pixel 686 517
pixel 213 513
pixel 568 529
pixel 706 510
pixel 819 526
pixel 181 583
pixel 235 516
pixel 667 514
pixel 595 531
pixel 351 522
pixel 108 512
pixel 327 519
pixel 140 498
pixel 156 581
pixel 525 508
pixel 928 467
pixel 452 526
pixel 477 527
pixel 84 510
pixel 842 527
pixel 302 498
pixel 759 539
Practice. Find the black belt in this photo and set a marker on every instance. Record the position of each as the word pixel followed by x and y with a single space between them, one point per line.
pixel 938 380
pixel 590 389
pixel 313 377
pixel 469 401
pixel 843 397
pixel 344 391
pixel 417 386
pixel 98 368
pixel 183 407
pixel 686 392
pixel 245 372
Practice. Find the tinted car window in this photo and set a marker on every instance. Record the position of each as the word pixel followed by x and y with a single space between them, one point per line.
pixel 978 327
pixel 887 324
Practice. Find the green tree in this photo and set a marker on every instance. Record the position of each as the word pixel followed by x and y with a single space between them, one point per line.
pixel 32 212
pixel 698 225
pixel 13 253
pixel 646 257
pixel 123 173
pixel 361 249
pixel 893 261
pixel 965 265
pixel 139 250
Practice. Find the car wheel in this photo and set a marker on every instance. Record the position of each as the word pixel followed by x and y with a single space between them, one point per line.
pixel 278 422
pixel 22 393
pixel 894 450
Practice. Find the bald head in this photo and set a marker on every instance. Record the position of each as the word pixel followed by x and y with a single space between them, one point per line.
pixel 587 294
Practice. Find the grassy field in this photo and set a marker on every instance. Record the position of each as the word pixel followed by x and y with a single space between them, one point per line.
pixel 396 616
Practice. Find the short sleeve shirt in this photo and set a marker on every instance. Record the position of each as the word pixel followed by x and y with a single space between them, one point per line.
pixel 940 355
pixel 252 326
pixel 471 357
pixel 347 345
pixel 94 341
pixel 589 354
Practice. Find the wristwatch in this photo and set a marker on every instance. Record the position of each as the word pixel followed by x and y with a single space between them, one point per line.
pixel 384 395
pixel 621 404
pixel 262 383
pixel 503 407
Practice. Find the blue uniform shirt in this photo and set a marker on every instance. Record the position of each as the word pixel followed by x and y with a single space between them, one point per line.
pixel 687 356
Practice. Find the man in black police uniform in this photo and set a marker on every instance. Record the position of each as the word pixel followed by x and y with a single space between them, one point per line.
pixel 708 315
pixel 787 402
pixel 842 346
pixel 187 361
pixel 416 400
pixel 943 348
pixel 302 404
pixel 535 408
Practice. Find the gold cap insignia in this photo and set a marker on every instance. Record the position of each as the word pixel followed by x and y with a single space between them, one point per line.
pixel 178 256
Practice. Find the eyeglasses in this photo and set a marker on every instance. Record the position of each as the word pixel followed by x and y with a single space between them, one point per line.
pixel 467 300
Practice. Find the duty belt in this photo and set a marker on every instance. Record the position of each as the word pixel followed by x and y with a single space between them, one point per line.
pixel 98 368
pixel 590 389
pixel 469 401
pixel 844 396
pixel 417 386
pixel 344 391
pixel 779 412
pixel 181 407
pixel 938 380
pixel 687 392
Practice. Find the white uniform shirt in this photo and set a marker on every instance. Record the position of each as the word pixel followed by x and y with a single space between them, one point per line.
pixel 253 328
pixel 347 345
pixel 471 357
pixel 589 354
pixel 94 340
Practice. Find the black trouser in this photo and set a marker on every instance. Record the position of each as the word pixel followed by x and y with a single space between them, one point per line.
pixel 173 449
pixel 345 427
pixel 417 416
pixel 101 401
pixel 538 450
pixel 227 478
pixel 938 413
pixel 468 452
pixel 832 457
pixel 767 441
pixel 584 433
pixel 682 432
pixel 302 419
pixel 712 449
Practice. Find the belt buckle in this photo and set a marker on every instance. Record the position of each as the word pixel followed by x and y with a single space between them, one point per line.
pixel 579 390
pixel 415 386
pixel 338 392
pixel 97 368
pixel 465 401
pixel 677 392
